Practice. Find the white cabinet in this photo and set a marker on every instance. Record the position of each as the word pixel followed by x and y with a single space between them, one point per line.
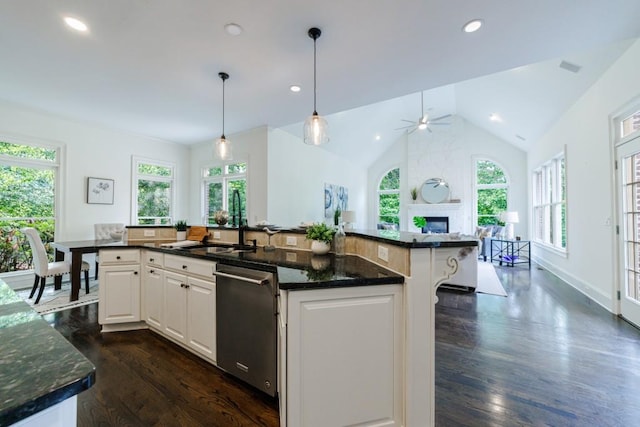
pixel 201 317
pixel 189 312
pixel 344 352
pixel 119 289
pixel 153 297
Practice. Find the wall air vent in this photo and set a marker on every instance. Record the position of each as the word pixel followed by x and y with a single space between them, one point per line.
pixel 570 67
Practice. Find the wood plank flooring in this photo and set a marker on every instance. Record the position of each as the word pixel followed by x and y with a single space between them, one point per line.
pixel 543 356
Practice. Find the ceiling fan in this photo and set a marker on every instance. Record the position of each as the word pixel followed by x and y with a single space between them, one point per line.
pixel 423 121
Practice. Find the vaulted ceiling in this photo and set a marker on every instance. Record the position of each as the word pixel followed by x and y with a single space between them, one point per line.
pixel 151 67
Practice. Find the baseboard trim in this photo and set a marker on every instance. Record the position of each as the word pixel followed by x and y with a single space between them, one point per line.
pixel 578 284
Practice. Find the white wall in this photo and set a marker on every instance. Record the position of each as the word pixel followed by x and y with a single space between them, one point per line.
pixel 93 151
pixel 450 153
pixel 297 175
pixel 589 264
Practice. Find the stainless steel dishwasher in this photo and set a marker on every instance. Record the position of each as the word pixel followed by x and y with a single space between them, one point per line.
pixel 246 313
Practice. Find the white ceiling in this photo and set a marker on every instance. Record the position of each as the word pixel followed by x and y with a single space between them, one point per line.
pixel 150 67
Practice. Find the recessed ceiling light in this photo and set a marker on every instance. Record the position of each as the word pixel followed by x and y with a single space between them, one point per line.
pixel 472 26
pixel 295 88
pixel 378 137
pixel 76 24
pixel 233 29
pixel 495 118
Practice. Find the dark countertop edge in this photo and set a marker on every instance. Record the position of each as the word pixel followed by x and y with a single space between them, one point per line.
pixel 342 283
pixel 39 404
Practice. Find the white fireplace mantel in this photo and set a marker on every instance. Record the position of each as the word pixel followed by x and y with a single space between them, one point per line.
pixel 452 210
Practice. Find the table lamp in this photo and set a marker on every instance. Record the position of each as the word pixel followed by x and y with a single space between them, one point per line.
pixel 348 217
pixel 509 219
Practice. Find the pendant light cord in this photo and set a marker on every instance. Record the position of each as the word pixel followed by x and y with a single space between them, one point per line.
pixel 314 77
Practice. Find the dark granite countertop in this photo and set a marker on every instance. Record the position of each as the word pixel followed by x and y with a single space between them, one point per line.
pixel 38 367
pixel 298 269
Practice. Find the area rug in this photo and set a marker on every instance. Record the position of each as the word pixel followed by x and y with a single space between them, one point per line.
pixel 53 300
pixel 488 282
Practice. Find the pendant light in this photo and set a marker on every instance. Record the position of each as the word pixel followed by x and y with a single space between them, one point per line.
pixel 316 128
pixel 223 146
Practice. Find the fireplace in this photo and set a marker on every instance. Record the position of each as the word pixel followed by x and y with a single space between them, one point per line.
pixel 436 224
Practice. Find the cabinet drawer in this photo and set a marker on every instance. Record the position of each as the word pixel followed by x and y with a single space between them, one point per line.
pixel 153 258
pixel 120 256
pixel 190 265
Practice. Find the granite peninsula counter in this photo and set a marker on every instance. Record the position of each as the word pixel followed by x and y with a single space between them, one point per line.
pixel 39 369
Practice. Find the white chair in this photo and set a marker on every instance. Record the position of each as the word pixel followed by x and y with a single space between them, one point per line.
pixel 106 232
pixel 43 268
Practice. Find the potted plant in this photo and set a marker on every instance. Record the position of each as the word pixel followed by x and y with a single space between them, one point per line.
pixel 321 236
pixel 181 229
pixel 414 193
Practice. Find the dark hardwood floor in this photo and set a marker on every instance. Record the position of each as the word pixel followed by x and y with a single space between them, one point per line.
pixel 543 356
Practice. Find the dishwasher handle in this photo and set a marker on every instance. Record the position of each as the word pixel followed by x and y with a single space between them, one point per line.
pixel 260 282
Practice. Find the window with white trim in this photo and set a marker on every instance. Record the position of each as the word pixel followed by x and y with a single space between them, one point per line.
pixel 492 192
pixel 218 185
pixel 28 187
pixel 549 204
pixel 389 200
pixel 154 187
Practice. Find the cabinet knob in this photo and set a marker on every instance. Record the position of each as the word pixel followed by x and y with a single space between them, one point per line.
pixel 182 285
pixel 135 272
pixel 118 257
pixel 186 286
pixel 152 271
pixel 151 259
pixel 184 267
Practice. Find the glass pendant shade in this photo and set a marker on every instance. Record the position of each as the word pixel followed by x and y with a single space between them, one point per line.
pixel 223 149
pixel 316 130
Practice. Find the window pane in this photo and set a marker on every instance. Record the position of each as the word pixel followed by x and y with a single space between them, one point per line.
pixel 154 200
pixel 489 173
pixel 391 180
pixel 389 208
pixel 630 124
pixel 213 195
pixel 213 171
pixel 237 168
pixel 27 151
pixel 155 170
pixel 491 201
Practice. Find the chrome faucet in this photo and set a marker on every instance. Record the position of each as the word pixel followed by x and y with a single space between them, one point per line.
pixel 236 195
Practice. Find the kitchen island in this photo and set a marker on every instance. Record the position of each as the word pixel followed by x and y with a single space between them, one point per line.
pixel 355 333
pixel 40 372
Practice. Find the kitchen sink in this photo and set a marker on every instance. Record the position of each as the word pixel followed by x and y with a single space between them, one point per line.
pixel 223 249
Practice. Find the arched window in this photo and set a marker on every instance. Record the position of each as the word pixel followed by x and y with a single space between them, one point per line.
pixel 389 200
pixel 492 190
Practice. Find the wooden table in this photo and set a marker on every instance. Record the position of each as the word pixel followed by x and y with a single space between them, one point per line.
pixel 77 248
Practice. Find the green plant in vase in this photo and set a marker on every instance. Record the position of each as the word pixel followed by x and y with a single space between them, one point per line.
pixel 320 232
pixel 180 225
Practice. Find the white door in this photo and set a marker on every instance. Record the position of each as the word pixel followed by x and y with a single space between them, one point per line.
pixel 628 157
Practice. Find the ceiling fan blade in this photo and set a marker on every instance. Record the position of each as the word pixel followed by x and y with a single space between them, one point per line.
pixel 441 117
pixel 408 121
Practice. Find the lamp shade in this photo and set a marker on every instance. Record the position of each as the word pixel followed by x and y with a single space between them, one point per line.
pixel 510 217
pixel 349 216
pixel 316 130
pixel 223 149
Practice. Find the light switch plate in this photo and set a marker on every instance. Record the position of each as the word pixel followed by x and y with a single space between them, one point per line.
pixel 216 234
pixel 292 241
pixel 149 233
pixel 383 253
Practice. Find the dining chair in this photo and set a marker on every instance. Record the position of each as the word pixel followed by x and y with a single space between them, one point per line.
pixel 43 268
pixel 104 232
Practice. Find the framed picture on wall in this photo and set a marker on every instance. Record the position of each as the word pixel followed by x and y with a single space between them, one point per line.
pixel 100 191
